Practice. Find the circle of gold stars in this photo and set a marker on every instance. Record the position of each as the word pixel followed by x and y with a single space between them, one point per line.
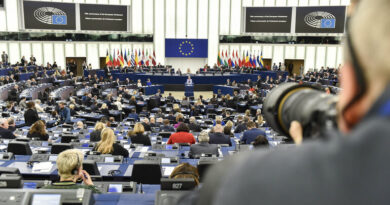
pixel 186 53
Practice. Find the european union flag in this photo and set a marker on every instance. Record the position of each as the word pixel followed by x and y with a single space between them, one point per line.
pixel 328 23
pixel 186 48
pixel 59 19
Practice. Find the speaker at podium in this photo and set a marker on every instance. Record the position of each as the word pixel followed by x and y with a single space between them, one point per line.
pixel 189 87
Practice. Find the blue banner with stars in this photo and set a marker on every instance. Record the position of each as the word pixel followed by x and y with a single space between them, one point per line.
pixel 186 48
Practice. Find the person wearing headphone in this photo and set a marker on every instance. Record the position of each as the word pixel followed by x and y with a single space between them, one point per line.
pixel 185 171
pixel 70 169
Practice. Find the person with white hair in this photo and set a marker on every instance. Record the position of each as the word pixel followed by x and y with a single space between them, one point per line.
pixel 218 136
pixel 5 133
pixel 38 106
pixel 79 125
pixel 203 147
pixel 145 123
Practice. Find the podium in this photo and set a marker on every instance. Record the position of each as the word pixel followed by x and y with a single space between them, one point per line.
pixel 189 90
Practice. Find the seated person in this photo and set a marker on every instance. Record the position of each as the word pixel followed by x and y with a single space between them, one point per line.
pixel 144 112
pixel 185 171
pixel 5 133
pixel 104 110
pixel 218 121
pixel 203 147
pixel 182 135
pixel 31 114
pixel 166 127
pixel 153 122
pixel 218 137
pixel 250 135
pixel 227 130
pixel 11 124
pixel 64 113
pixel 79 125
pixel 260 142
pixel 179 119
pixel 137 136
pixel 194 127
pixel 107 144
pixel 139 84
pixel 70 169
pixel 133 115
pixel 38 130
pixel 241 124
pixel 146 125
pixel 95 134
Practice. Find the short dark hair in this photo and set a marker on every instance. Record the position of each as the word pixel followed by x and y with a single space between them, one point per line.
pixel 183 127
pixel 30 105
pixel 260 141
pixel 251 124
pixel 166 122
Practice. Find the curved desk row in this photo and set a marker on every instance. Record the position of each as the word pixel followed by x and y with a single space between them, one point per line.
pixel 197 79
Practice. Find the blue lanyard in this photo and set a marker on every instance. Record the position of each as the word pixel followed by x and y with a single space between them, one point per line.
pixel 385 109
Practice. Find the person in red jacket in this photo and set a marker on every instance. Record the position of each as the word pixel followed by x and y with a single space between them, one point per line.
pixel 182 135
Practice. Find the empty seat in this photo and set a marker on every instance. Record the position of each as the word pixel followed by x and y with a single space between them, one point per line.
pixel 91 167
pixel 147 171
pixel 19 148
pixel 59 147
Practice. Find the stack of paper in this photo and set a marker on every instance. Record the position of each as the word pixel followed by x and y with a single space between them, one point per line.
pixel 167 171
pixel 42 167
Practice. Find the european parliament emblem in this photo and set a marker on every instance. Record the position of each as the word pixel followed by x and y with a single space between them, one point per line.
pixel 328 23
pixel 186 48
pixel 59 19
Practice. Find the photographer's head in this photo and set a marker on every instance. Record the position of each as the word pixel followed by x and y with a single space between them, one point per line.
pixel 366 73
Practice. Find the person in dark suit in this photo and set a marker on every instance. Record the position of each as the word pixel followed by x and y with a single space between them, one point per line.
pixel 170 98
pixel 137 136
pixel 13 93
pixel 5 133
pixel 241 125
pixel 259 82
pixel 166 127
pixel 193 125
pixel 134 115
pixel 104 110
pixel 203 147
pixel 95 90
pixel 107 144
pixel 38 130
pixel 218 137
pixel 146 125
pixel 31 114
pixel 251 134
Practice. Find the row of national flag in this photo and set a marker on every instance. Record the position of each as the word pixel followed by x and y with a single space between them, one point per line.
pixel 118 58
pixel 233 59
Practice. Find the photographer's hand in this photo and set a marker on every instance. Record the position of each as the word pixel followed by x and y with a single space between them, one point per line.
pixel 296 132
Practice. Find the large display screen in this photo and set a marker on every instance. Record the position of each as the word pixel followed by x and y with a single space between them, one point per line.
pixel 49 15
pixel 103 17
pixel 268 19
pixel 325 19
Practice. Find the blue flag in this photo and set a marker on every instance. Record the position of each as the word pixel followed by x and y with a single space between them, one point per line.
pixel 186 48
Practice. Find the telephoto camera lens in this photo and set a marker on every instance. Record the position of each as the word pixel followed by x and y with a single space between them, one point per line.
pixel 310 106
